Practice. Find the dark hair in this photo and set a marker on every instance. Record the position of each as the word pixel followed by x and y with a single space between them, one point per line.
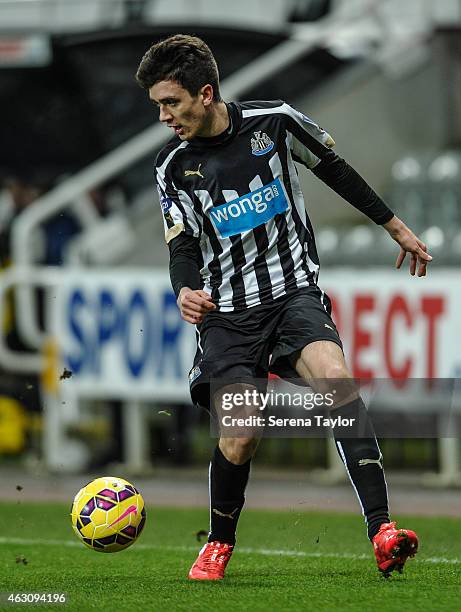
pixel 181 58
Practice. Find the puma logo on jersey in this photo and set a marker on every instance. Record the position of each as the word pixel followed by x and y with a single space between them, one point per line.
pixel 223 514
pixel 194 172
pixel 367 461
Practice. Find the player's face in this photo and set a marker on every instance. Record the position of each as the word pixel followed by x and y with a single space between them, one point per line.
pixel 186 115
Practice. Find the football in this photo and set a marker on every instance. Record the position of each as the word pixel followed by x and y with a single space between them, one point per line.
pixel 108 514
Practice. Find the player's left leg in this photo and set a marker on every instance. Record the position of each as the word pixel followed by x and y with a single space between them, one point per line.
pixel 323 361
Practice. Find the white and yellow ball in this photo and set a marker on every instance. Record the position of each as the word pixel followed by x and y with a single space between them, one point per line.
pixel 108 514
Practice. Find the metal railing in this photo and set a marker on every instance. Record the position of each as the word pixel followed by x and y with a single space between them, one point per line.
pixel 124 156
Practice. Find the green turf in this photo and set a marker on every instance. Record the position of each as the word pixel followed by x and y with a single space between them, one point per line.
pixel 151 574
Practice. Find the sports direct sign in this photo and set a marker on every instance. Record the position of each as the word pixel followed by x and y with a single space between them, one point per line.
pixel 397 326
pixel 120 333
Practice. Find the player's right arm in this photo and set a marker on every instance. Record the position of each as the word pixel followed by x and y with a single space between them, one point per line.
pixel 193 303
pixel 182 234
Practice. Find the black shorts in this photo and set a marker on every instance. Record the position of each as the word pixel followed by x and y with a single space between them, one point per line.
pixel 247 345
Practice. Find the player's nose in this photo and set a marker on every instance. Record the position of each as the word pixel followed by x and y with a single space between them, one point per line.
pixel 165 115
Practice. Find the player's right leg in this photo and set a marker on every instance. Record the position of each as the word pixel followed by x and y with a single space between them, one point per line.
pixel 227 362
pixel 229 472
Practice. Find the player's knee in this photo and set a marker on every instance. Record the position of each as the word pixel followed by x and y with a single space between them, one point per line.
pixel 335 370
pixel 238 450
pixel 334 377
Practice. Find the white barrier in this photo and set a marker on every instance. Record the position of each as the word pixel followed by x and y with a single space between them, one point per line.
pixel 120 334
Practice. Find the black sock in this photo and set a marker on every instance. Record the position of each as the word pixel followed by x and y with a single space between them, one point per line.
pixel 364 464
pixel 227 496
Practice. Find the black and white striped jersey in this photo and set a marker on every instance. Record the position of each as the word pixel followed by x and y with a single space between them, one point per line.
pixel 239 194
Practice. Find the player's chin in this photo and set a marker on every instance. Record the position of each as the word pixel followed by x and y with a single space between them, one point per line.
pixel 185 134
pixel 188 133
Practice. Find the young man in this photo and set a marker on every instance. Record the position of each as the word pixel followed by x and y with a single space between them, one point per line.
pixel 244 267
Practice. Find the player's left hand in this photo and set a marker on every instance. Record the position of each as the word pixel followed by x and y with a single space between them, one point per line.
pixel 409 243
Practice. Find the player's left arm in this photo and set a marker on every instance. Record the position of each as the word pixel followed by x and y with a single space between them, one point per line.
pixel 312 146
pixel 345 181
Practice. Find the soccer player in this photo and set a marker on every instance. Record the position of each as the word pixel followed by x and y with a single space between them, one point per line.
pixel 244 267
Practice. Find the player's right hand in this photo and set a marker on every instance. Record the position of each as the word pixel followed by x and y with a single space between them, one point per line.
pixel 194 304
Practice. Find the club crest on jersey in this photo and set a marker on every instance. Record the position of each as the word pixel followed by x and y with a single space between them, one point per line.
pixel 261 143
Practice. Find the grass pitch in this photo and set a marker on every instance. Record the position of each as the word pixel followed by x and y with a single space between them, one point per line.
pixel 284 561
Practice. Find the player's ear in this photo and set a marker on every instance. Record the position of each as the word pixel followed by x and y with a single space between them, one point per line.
pixel 207 94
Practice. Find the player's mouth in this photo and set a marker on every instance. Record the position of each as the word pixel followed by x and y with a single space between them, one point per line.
pixel 178 129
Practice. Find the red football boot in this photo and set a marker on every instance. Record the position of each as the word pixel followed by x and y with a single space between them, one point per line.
pixel 393 546
pixel 211 562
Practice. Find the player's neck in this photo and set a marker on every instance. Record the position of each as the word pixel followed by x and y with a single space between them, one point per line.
pixel 218 121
